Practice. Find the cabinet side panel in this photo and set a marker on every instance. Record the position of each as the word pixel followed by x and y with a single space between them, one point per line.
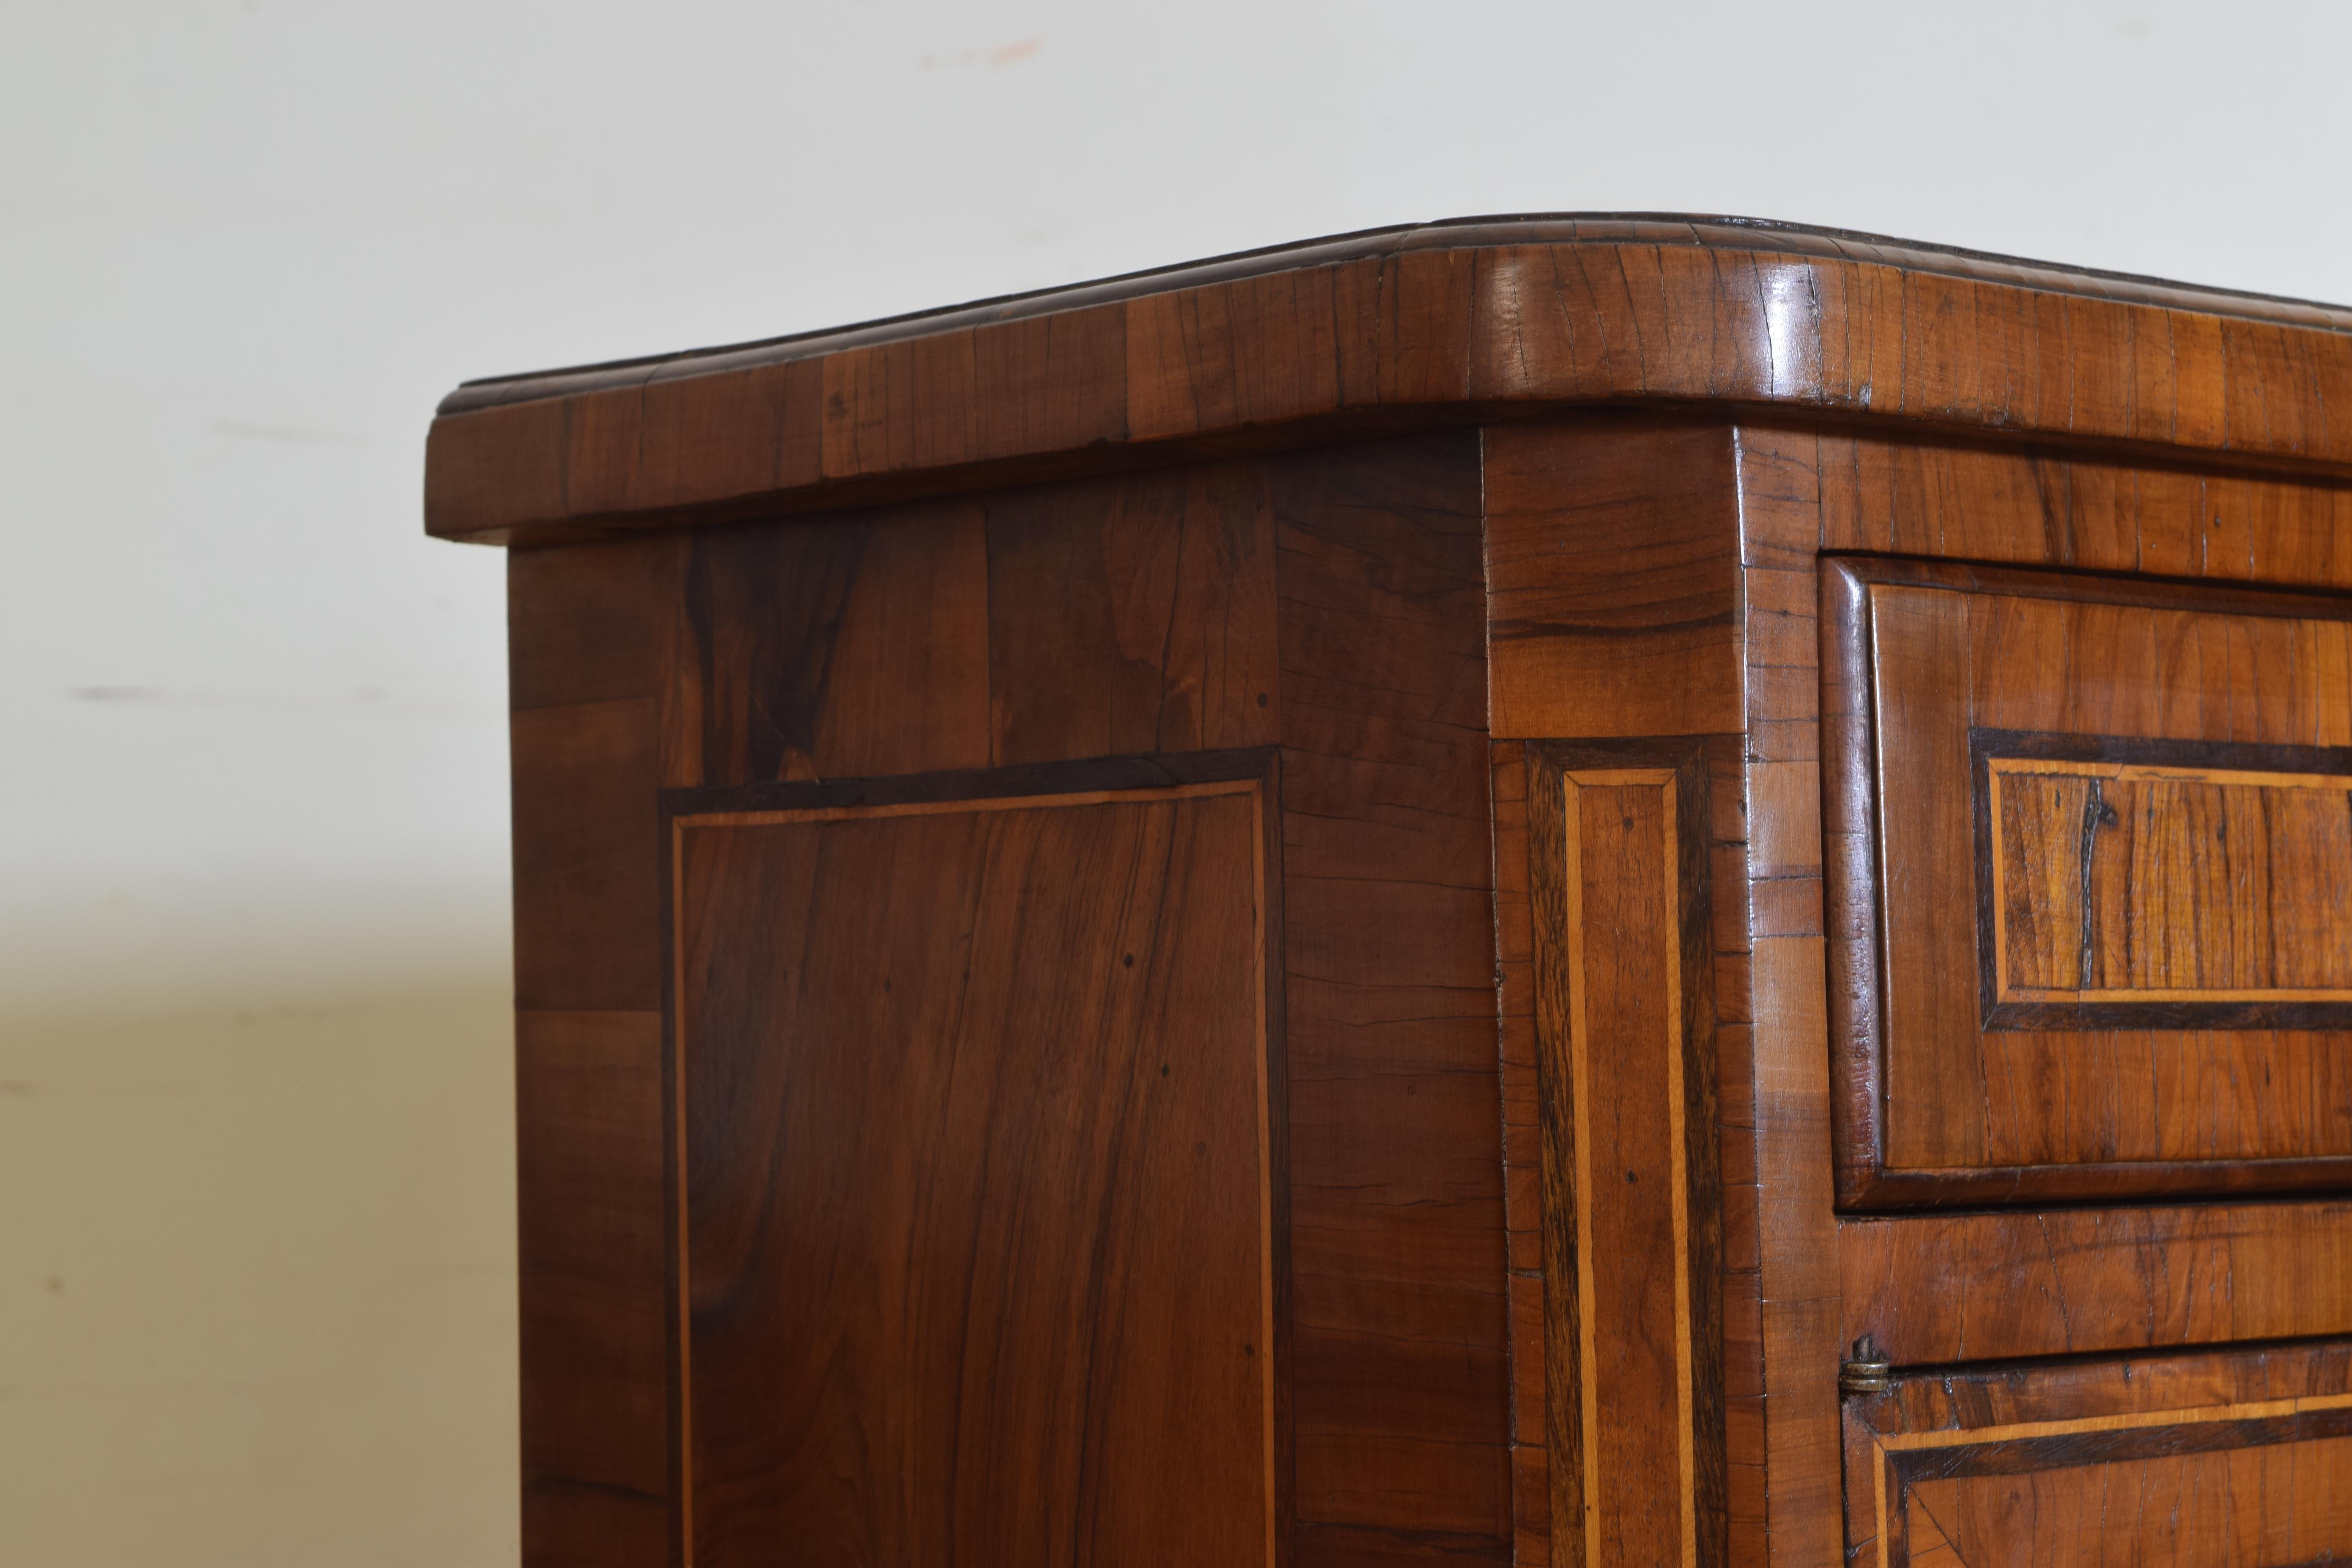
pixel 586 853
pixel 1132 615
pixel 586 627
pixel 1400 1397
pixel 593 1259
pixel 977 1182
pixel 831 648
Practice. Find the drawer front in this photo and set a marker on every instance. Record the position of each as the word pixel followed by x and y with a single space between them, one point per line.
pixel 2090 886
pixel 2242 1458
pixel 1947 1287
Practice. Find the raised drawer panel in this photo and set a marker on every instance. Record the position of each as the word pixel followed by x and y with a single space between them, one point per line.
pixel 2090 886
pixel 2242 1458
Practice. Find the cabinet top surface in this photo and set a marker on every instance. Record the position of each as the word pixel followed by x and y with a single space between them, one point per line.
pixel 1474 318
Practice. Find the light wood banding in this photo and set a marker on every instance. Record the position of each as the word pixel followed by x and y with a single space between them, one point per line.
pixel 1631 1347
pixel 2123 882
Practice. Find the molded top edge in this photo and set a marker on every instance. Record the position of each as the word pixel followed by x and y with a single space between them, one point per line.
pixel 1699 231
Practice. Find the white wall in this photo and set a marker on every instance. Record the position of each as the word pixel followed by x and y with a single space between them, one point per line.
pixel 255 1259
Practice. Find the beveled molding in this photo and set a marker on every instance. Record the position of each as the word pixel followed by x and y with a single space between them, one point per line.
pixel 1856 917
pixel 1368 335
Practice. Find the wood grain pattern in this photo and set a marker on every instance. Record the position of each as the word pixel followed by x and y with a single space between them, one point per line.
pixel 2236 1457
pixel 1934 1072
pixel 592 1254
pixel 779 658
pixel 2165 1508
pixel 1132 617
pixel 1790 1427
pixel 2031 503
pixel 1729 1067
pixel 1515 963
pixel 1400 1377
pixel 1612 579
pixel 1935 1289
pixel 1802 1296
pixel 586 635
pixel 834 649
pixel 1716 956
pixel 1632 1237
pixel 591 623
pixel 1632 1259
pixel 1079 547
pixel 2122 882
pixel 1350 337
pixel 1113 618
pixel 979 1182
pixel 586 849
pixel 1958 1094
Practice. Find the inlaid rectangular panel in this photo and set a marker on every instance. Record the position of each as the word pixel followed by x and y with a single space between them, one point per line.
pixel 2089 844
pixel 1632 1233
pixel 978 1251
pixel 2137 881
pixel 2239 1458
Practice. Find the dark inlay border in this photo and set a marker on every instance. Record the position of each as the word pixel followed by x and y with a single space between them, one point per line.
pixel 1987 746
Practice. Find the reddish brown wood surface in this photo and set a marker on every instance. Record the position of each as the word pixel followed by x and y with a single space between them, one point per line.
pixel 1612 579
pixel 1532 1470
pixel 598 1482
pixel 1401 1382
pixel 1330 339
pixel 843 649
pixel 1613 611
pixel 594 1260
pixel 2181 884
pixel 977 1183
pixel 1934 1289
pixel 1785 1076
pixel 1107 618
pixel 2170 1082
pixel 2025 504
pixel 1779 1290
pixel 585 936
pixel 1134 618
pixel 2233 1457
pixel 1633 1242
pixel 1807 489
pixel 1355 624
pixel 1327 603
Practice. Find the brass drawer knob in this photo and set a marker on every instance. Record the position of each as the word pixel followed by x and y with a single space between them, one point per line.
pixel 1868 1371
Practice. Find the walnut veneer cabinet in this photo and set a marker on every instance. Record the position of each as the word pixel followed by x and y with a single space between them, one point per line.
pixel 1584 890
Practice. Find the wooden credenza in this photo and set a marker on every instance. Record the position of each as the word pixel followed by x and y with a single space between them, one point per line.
pixel 1560 891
